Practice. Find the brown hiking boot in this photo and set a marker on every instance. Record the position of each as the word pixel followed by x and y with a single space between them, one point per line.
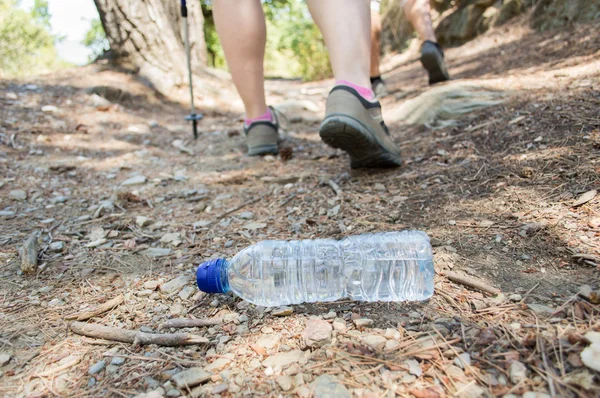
pixel 356 126
pixel 262 136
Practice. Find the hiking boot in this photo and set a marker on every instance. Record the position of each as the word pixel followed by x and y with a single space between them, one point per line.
pixel 356 126
pixel 378 87
pixel 262 136
pixel 432 58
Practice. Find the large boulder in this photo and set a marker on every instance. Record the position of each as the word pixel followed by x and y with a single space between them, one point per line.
pixel 550 14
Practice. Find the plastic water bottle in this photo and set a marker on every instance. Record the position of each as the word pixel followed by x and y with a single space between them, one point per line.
pixel 393 266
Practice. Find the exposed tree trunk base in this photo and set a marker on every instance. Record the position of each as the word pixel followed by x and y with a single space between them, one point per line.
pixel 136 337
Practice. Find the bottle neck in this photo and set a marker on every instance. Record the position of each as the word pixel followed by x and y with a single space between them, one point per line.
pixel 224 279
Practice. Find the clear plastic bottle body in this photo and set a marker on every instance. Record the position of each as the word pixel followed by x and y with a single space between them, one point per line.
pixel 394 266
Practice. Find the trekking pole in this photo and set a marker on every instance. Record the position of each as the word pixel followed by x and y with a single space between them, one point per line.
pixel 192 116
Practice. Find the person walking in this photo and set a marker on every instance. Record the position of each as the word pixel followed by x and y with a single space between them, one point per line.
pixel 418 13
pixel 353 120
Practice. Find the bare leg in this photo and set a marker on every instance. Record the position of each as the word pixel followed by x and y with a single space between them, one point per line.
pixel 345 25
pixel 418 13
pixel 375 43
pixel 243 33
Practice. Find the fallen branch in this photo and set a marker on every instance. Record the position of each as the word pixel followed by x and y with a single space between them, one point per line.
pixel 102 308
pixel 136 337
pixel 336 188
pixel 190 323
pixel 69 362
pixel 472 283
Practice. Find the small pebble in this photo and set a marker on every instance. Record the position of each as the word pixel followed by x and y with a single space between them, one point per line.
pixel 91 382
pixel 283 311
pixel 117 361
pixel 515 297
pixel 97 367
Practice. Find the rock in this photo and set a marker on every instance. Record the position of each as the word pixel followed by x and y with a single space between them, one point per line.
pixel 191 377
pixel 590 356
pixel 179 144
pixel 586 197
pixel 7 213
pixel 97 367
pixel 4 358
pixel 515 297
pixel 268 341
pixel 156 393
pixel 151 285
pixel 96 243
pixel 18 194
pixel 49 109
pixel 517 372
pixel 463 360
pixel 29 255
pixel 285 382
pixel 283 311
pixel 142 221
pixel 174 285
pixel 136 180
pixel 583 379
pixel 57 246
pixel 253 225
pixel 392 334
pixel 317 333
pixel 247 215
pixel 340 326
pixel 593 296
pixel 187 292
pixel 91 382
pixel 173 393
pixel 592 337
pixel 117 361
pixel 219 363
pixel 112 369
pixel 535 394
pixel 375 342
pixel 173 238
pixel 391 345
pixel 220 388
pixel 283 360
pixel 363 322
pixel 469 390
pixel 414 368
pixel 330 315
pixel 541 309
pixel 327 386
pixel 155 252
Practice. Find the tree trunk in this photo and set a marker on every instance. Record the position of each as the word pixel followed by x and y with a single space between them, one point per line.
pixel 148 35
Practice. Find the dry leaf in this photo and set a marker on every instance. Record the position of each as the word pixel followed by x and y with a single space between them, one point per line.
pixel 586 197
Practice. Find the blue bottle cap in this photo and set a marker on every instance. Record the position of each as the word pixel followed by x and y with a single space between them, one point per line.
pixel 211 278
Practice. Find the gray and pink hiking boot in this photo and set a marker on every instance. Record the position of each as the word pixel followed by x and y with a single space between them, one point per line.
pixel 262 136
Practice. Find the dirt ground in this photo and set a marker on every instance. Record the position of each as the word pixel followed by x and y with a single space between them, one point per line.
pixel 123 201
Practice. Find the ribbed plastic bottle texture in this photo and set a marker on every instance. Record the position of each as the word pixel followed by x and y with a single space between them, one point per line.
pixel 393 266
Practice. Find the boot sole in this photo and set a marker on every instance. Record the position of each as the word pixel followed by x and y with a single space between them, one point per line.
pixel 263 150
pixel 364 148
pixel 433 63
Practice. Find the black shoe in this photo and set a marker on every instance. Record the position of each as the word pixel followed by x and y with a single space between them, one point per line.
pixel 378 87
pixel 432 58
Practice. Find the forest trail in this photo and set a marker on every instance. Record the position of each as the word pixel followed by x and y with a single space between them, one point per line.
pixel 126 203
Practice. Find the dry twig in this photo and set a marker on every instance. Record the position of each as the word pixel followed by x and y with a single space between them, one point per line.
pixel 472 283
pixel 102 308
pixel 190 323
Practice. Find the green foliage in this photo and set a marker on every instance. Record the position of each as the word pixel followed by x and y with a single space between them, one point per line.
pixel 95 39
pixel 295 46
pixel 26 44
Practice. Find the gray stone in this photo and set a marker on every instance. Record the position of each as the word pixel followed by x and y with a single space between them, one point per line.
pixel 247 215
pixel 6 213
pixel 541 309
pixel 117 361
pixel 414 368
pixel 142 221
pixel 57 246
pixel 136 180
pixel 285 382
pixel 97 367
pixel 268 341
pixel 375 342
pixel 173 238
pixel 91 382
pixel 219 363
pixel 112 369
pixel 283 360
pixel 363 322
pixel 4 358
pixel 317 333
pixel 49 109
pixel 155 252
pixel 517 372
pixel 330 315
pixel 515 297
pixel 283 311
pixel 327 386
pixel 173 393
pixel 151 285
pixel 187 292
pixel 463 360
pixel 191 377
pixel 18 194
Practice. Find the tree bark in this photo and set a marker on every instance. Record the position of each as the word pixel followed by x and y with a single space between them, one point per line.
pixel 148 36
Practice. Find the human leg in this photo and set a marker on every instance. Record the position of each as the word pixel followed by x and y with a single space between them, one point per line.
pixel 375 43
pixel 353 120
pixel 418 13
pixel 243 34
